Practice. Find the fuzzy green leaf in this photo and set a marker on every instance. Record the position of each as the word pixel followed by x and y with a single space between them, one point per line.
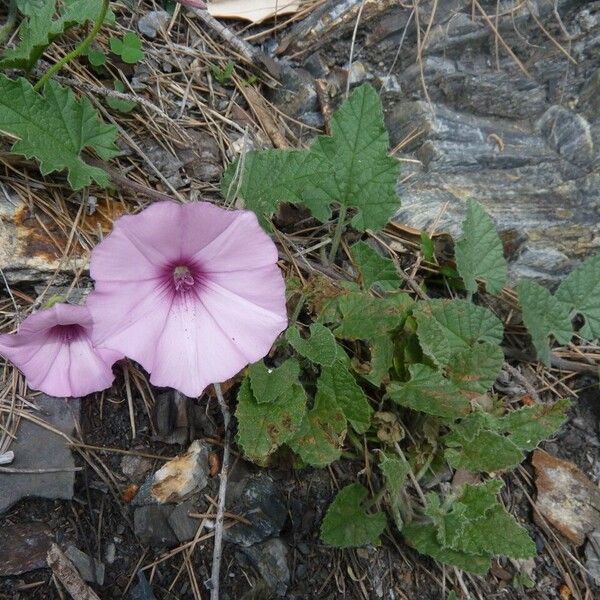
pixel 479 253
pixel 124 106
pixel 449 327
pixel 338 383
pixel 580 293
pixel 423 537
pixel 374 269
pixel 351 168
pixel 395 471
pixel 430 392
pixel 321 435
pixel 269 384
pixel 129 48
pixel 347 525
pixel 544 315
pixel 55 128
pixel 320 347
pixel 262 428
pixel 475 369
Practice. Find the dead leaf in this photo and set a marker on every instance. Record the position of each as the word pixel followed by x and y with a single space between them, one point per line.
pixel 252 10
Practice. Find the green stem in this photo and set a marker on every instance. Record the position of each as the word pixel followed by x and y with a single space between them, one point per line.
pixel 337 235
pixel 76 51
pixel 298 308
pixel 10 21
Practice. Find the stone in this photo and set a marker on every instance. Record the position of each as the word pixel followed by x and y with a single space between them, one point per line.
pixel 566 497
pixel 37 448
pixel 89 568
pixel 261 503
pixel 23 547
pixel 592 555
pixel 182 476
pixel 184 526
pixel 142 590
pixel 135 467
pixel 171 417
pixel 151 23
pixel 270 558
pixel 151 526
pixel 202 159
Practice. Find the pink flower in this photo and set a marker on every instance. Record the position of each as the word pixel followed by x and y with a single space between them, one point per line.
pixel 54 351
pixel 191 292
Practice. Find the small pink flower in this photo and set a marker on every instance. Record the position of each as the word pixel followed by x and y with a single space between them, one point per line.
pixel 54 351
pixel 191 292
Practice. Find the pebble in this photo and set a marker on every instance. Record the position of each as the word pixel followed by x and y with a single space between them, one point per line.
pixel 89 568
pixel 151 23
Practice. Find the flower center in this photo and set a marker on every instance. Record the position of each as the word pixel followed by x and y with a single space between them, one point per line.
pixel 183 279
pixel 67 333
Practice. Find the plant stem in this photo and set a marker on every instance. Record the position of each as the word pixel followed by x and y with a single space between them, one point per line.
pixel 76 51
pixel 337 235
pixel 10 21
pixel 218 547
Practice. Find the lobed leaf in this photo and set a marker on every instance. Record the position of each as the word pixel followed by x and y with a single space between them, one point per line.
pixel 476 369
pixel 544 315
pixel 350 168
pixel 347 524
pixel 268 384
pixel 373 268
pixel 479 254
pixel 580 294
pixel 262 428
pixel 55 128
pixel 320 347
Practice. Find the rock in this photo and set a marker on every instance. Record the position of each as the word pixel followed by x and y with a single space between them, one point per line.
pixel 592 555
pixel 171 417
pixel 260 503
pixel 151 23
pixel 7 457
pixel 566 497
pixel 202 160
pixel 37 448
pixel 23 548
pixel 111 553
pixel 89 568
pixel 184 526
pixel 151 526
pixel 142 590
pixel 175 480
pixel 135 467
pixel 270 558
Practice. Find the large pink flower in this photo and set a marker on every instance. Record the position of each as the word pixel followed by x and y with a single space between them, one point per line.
pixel 54 351
pixel 192 292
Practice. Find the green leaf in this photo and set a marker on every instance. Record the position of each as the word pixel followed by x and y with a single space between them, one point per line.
pixel 366 316
pixel 374 269
pixel 321 435
pixel 475 445
pixel 395 471
pixel 580 293
pixel 55 128
pixel 262 428
pixel 427 248
pixel 347 524
pixel 320 347
pixel 339 384
pixel 475 369
pixel 449 327
pixel 124 106
pixel 479 254
pixel 484 526
pixel 544 315
pixel 423 537
pixel 129 48
pixel 529 425
pixel 430 392
pixel 269 384
pixel 351 168
pixel 40 28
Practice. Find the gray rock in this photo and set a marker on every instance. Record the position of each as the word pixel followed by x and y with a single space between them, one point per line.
pixel 183 526
pixel 111 553
pixel 135 467
pixel 151 526
pixel 37 448
pixel 142 590
pixel 592 555
pixel 270 558
pixel 260 503
pixel 23 548
pixel 151 23
pixel 89 568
